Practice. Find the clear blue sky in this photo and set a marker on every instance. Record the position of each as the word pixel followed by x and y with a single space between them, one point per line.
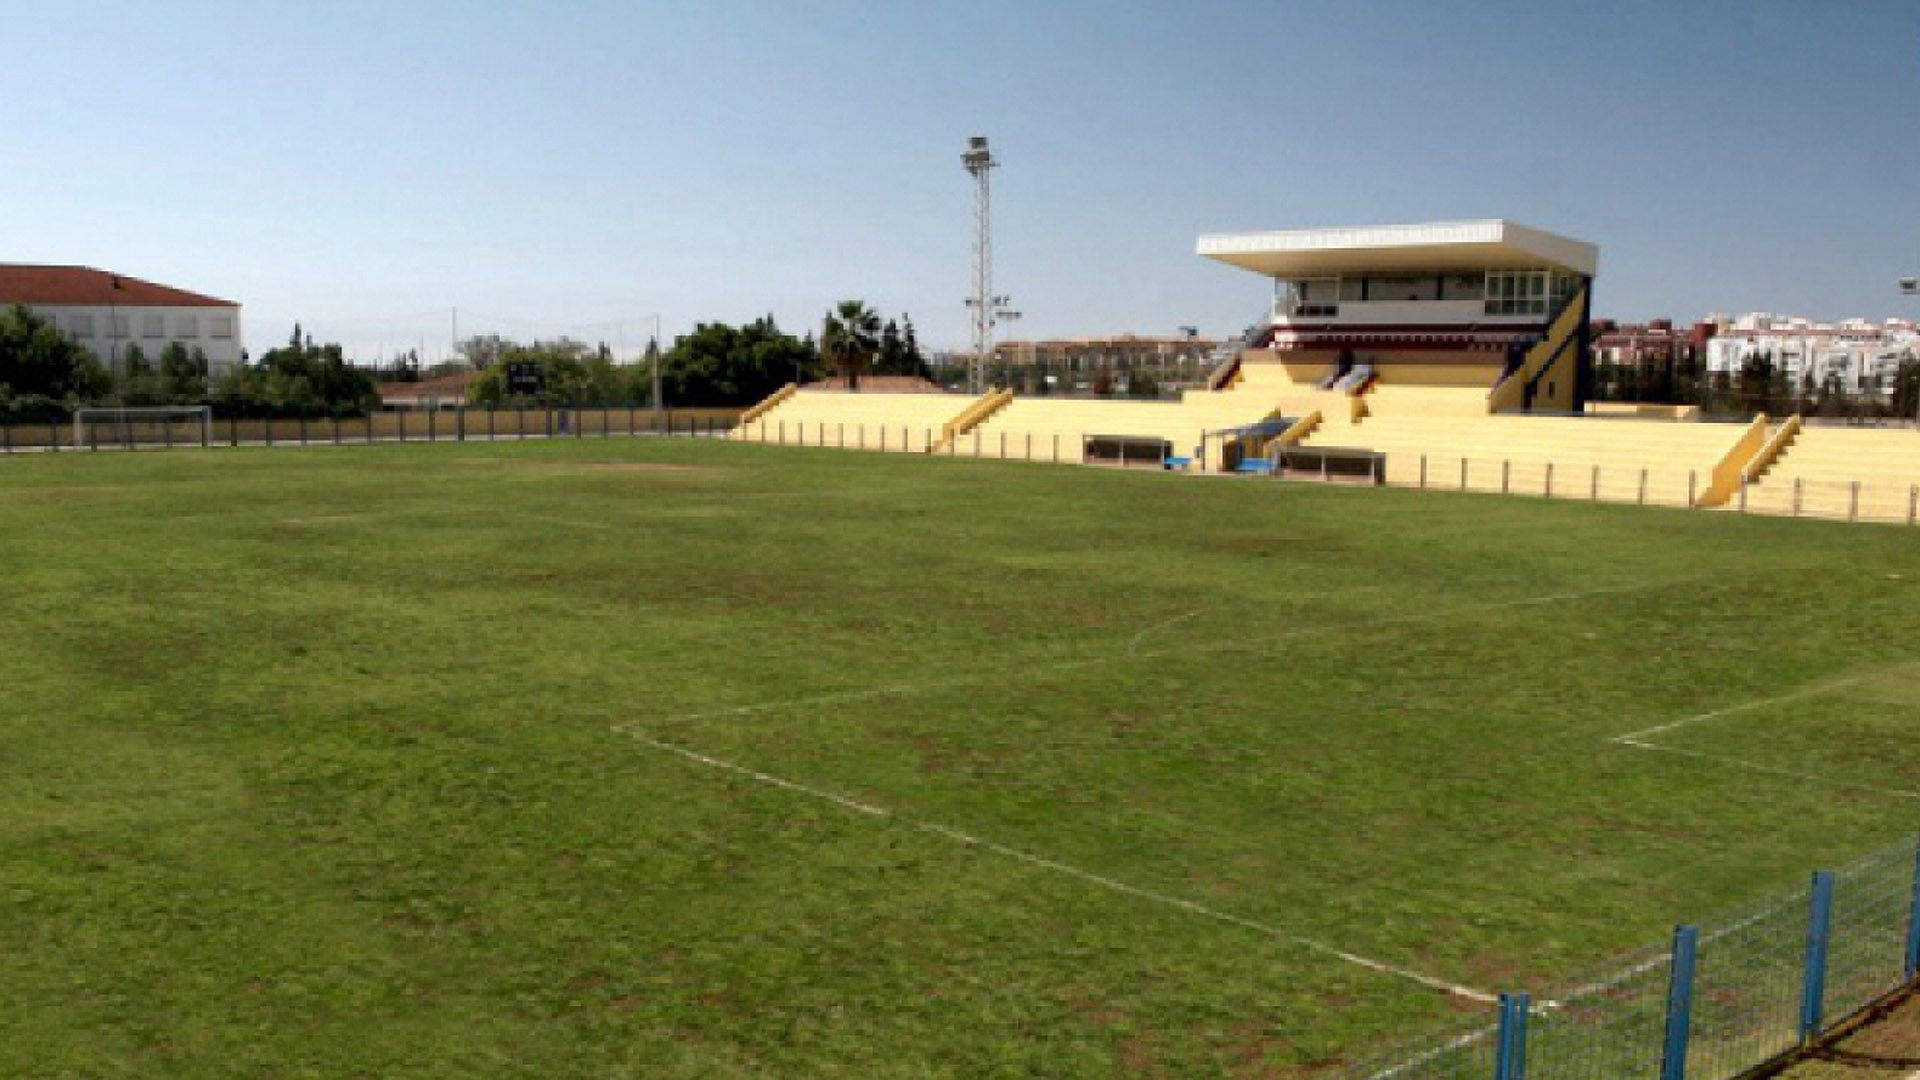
pixel 367 166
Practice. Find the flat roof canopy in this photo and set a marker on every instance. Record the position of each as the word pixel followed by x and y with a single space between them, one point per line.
pixel 1439 245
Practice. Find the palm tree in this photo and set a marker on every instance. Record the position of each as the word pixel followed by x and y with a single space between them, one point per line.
pixel 849 339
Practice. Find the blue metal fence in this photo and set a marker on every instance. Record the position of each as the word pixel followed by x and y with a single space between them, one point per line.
pixel 1722 998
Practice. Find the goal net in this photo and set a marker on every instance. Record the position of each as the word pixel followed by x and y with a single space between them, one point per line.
pixel 129 426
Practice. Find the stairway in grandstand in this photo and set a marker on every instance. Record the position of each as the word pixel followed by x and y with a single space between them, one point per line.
pixel 1846 473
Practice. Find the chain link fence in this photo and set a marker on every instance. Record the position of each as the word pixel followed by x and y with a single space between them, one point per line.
pixel 1724 998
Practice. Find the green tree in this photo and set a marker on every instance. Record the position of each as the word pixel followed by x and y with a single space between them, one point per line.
pixel 300 377
pixel 719 364
pixel 183 375
pixel 136 382
pixel 42 371
pixel 565 372
pixel 1906 389
pixel 481 352
pixel 849 339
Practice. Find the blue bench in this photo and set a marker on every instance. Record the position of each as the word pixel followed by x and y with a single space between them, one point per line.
pixel 1257 466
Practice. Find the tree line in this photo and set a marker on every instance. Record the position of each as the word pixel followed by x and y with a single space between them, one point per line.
pixel 45 375
pixel 1761 385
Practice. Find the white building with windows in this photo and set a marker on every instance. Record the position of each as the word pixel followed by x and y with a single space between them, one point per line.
pixel 110 314
pixel 1861 356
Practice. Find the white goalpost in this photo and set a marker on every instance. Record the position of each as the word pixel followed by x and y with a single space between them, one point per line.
pixel 131 425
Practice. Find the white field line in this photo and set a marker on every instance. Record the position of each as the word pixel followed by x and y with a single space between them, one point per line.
pixel 1029 670
pixel 1644 966
pixel 1640 740
pixel 1133 643
pixel 1748 706
pixel 1030 859
pixel 330 519
pixel 1772 770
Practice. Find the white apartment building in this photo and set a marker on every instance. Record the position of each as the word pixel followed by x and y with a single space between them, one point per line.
pixel 109 313
pixel 1863 356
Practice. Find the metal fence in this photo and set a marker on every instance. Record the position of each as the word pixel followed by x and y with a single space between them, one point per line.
pixel 468 424
pixel 1725 997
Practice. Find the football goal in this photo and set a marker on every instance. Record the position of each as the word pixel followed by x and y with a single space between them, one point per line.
pixel 142 425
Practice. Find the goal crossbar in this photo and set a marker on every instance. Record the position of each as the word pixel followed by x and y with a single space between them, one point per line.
pixel 122 418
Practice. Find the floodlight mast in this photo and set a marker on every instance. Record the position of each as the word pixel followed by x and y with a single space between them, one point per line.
pixel 988 310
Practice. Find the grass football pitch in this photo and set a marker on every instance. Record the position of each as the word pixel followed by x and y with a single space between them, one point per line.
pixel 651 758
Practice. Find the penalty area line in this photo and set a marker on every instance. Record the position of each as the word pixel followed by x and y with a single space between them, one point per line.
pixel 966 839
pixel 1771 770
pixel 1816 690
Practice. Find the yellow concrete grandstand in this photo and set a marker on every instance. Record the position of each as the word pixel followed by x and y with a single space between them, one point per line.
pixel 1449 355
pixel 856 420
pixel 1863 474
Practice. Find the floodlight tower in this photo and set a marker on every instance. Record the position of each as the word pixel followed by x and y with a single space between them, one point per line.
pixel 988 310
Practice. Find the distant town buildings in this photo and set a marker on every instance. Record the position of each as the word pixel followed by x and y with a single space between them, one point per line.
pixel 110 314
pixel 1859 356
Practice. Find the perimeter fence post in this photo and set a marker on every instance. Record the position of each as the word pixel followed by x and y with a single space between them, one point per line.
pixel 1510 1058
pixel 1506 476
pixel 53 436
pixel 1692 487
pixel 433 424
pixel 336 428
pixel 1643 487
pixel 1549 492
pixel 6 437
pixel 1798 483
pixel 303 425
pixel 1813 988
pixel 1686 952
pixel 1594 495
pixel 1912 966
pixel 1853 502
pixel 1913 503
pixel 1423 472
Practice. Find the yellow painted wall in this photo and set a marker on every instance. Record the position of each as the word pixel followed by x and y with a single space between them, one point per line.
pixel 1556 393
